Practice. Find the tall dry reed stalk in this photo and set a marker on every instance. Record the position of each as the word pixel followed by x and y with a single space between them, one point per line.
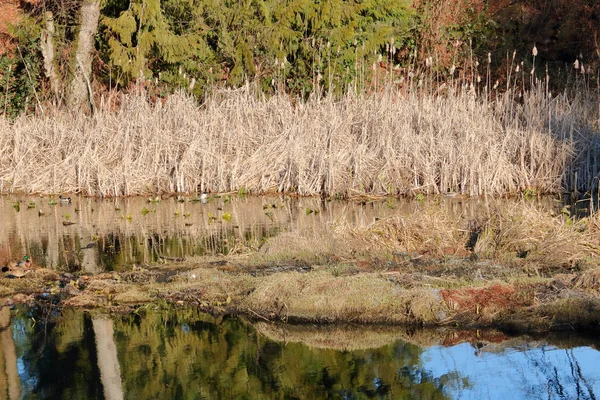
pixel 384 143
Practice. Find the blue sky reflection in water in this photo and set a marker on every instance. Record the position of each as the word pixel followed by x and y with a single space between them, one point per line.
pixel 527 371
pixel 185 354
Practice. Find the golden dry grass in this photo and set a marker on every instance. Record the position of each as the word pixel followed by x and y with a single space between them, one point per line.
pixel 538 237
pixel 363 298
pixel 431 229
pixel 389 143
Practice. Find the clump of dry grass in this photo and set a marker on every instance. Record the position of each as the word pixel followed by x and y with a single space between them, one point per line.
pixel 390 143
pixel 431 230
pixel 364 298
pixel 538 237
pixel 589 279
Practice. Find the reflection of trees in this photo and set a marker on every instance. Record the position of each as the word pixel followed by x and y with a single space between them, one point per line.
pixel 57 354
pixel 186 354
pixel 9 377
pixel 110 373
pixel 180 354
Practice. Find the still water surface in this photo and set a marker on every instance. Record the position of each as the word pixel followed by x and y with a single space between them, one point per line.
pixel 47 353
pixel 184 354
pixel 92 235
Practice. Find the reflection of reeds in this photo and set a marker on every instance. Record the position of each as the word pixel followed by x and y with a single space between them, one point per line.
pixel 386 143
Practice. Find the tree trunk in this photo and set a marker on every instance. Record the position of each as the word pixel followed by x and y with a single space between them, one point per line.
pixel 48 52
pixel 80 89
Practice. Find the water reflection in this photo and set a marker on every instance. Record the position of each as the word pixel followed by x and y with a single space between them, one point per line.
pixel 91 235
pixel 181 354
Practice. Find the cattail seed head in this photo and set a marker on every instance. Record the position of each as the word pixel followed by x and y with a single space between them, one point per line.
pixel 452 69
pixel 534 51
pixel 576 64
pixel 489 58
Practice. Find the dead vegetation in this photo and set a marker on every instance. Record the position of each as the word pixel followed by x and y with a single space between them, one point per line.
pixel 525 270
pixel 389 143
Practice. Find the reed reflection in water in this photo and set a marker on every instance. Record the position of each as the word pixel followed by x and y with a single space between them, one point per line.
pixel 92 235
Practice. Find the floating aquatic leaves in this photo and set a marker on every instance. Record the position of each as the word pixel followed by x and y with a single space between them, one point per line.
pixel 211 217
pixel 52 202
pixel 145 211
pixel 31 204
pixel 154 200
pixel 226 216
pixel 17 206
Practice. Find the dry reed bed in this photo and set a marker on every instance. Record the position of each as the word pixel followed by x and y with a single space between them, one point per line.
pixel 378 144
pixel 520 235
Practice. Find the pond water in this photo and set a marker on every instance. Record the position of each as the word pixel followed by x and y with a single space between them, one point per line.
pixel 93 235
pixel 46 353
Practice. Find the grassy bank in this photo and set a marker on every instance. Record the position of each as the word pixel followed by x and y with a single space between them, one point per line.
pixel 390 143
pixel 492 272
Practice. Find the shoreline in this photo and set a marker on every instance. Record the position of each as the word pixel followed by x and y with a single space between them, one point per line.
pixel 301 294
pixel 515 267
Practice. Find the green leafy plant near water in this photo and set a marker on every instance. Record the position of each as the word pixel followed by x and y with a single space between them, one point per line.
pixel 20 73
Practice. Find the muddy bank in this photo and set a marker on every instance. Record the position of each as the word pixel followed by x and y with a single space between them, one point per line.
pixel 451 292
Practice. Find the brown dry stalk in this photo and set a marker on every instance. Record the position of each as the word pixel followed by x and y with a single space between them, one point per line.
pixel 373 144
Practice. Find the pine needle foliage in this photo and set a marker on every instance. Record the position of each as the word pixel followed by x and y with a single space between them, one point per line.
pixel 303 46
